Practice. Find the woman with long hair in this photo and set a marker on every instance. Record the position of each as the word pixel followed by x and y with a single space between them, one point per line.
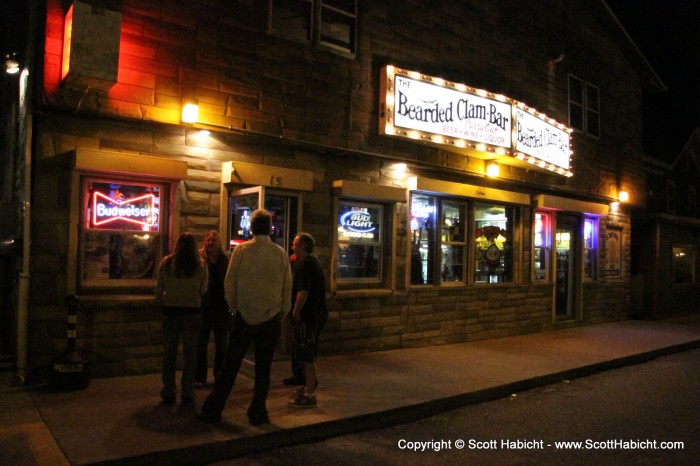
pixel 216 317
pixel 181 283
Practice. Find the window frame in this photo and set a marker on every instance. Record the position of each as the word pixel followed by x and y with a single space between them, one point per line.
pixel 546 233
pixel 160 241
pixel 345 282
pixel 318 11
pixel 588 105
pixel 594 249
pixel 685 249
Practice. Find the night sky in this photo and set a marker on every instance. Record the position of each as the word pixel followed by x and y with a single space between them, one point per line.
pixel 667 33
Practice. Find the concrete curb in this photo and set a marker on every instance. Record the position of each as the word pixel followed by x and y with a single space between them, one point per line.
pixel 275 439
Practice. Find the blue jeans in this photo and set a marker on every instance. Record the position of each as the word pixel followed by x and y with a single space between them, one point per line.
pixel 264 336
pixel 173 326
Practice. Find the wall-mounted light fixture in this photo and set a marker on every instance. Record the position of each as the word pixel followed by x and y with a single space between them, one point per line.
pixel 623 196
pixel 11 63
pixel 190 111
pixel 492 169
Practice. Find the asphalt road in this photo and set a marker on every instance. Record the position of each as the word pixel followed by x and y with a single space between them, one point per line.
pixel 646 414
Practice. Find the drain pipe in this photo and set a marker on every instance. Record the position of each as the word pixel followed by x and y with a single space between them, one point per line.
pixel 26 123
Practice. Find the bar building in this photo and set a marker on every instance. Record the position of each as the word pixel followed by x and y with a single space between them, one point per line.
pixel 468 169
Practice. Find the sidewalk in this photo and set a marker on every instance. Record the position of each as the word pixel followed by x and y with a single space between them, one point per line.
pixel 119 420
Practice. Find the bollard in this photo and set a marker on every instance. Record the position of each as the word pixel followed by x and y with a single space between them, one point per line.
pixel 68 370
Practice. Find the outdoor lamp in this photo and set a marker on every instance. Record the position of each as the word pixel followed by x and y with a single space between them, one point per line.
pixel 623 196
pixel 11 64
pixel 190 112
pixel 492 169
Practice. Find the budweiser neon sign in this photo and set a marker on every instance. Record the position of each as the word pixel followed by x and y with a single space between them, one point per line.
pixel 138 210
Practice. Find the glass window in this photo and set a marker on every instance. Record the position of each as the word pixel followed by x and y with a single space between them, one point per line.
pixel 683 264
pixel 330 23
pixel 452 242
pixel 590 248
pixel 292 19
pixel 423 210
pixel 584 106
pixel 337 24
pixel 543 245
pixel 493 243
pixel 121 231
pixel 359 242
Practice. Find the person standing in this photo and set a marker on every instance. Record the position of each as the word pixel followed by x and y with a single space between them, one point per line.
pixel 309 315
pixel 258 287
pixel 216 317
pixel 181 282
pixel 297 365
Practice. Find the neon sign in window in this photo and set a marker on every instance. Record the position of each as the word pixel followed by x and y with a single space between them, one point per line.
pixel 123 207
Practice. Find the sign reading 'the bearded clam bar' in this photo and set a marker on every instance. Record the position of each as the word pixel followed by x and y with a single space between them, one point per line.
pixel 430 109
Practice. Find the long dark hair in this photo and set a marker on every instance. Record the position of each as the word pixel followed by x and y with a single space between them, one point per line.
pixel 185 258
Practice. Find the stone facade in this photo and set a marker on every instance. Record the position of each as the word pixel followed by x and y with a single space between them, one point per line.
pixel 283 104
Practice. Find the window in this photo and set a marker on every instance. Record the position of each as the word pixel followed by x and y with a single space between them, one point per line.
pixel 438 252
pixel 360 249
pixel 330 24
pixel 683 264
pixel 584 106
pixel 543 245
pixel 440 241
pixel 493 239
pixel 122 230
pixel 670 197
pixel 590 248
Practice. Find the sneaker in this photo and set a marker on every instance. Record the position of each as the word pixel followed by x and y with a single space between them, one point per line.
pixel 303 402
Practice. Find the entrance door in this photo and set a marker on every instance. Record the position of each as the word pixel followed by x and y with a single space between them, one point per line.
pixel 566 240
pixel 283 207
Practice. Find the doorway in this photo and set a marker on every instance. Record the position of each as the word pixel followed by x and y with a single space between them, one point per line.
pixel 284 208
pixel 567 264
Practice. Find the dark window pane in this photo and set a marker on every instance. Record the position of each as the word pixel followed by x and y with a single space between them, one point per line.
pixel 337 30
pixel 292 18
pixel 347 6
pixel 576 116
pixel 593 123
pixel 575 90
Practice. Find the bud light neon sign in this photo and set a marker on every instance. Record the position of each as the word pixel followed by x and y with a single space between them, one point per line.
pixel 358 223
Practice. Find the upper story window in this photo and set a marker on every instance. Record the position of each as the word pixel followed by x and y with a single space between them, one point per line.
pixel 122 232
pixel 584 106
pixel 330 24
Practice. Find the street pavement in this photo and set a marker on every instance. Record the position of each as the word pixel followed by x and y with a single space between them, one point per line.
pixel 120 420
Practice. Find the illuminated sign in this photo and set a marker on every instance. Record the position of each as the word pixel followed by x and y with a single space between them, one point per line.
pixel 358 223
pixel 433 110
pixel 137 210
pixel 537 138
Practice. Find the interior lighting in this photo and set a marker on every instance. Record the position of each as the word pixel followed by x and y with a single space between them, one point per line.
pixel 623 196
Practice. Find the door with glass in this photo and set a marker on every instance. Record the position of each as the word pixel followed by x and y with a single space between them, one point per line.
pixel 566 241
pixel 283 207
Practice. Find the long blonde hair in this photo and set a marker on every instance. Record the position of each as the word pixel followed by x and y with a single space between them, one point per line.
pixel 218 247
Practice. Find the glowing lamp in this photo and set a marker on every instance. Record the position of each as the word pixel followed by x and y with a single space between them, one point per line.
pixel 11 64
pixel 624 196
pixel 190 112
pixel 492 170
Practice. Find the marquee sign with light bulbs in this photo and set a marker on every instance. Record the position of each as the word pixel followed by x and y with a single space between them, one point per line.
pixel 433 110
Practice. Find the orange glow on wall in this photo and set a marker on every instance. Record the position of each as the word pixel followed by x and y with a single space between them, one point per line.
pixel 67 33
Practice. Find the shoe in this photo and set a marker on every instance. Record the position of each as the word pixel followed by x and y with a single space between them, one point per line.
pixel 302 402
pixel 258 420
pixel 293 381
pixel 168 400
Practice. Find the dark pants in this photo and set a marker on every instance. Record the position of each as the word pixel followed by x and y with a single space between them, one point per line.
pixel 264 336
pixel 219 322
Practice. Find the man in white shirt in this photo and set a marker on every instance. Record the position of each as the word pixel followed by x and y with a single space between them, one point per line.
pixel 258 287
